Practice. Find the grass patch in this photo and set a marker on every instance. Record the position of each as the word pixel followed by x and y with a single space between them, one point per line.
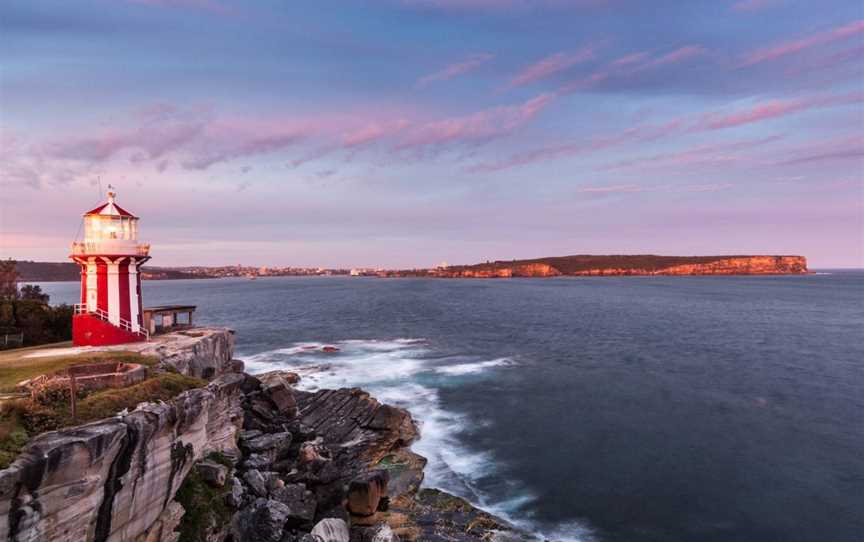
pixel 21 419
pixel 14 367
pixel 205 507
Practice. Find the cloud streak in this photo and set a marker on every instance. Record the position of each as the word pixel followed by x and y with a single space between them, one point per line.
pixel 453 70
pixel 796 46
pixel 551 65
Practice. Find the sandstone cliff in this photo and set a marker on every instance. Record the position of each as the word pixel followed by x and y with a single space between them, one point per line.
pixel 629 265
pixel 111 480
pixel 243 459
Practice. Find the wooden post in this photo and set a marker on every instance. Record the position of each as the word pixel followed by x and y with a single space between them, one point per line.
pixel 73 392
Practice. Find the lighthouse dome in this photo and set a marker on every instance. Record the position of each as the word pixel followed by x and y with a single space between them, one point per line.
pixel 110 230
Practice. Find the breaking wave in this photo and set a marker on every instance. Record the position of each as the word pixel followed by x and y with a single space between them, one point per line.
pixel 405 372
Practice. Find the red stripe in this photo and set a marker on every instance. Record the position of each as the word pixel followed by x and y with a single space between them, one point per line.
pixel 140 305
pixel 102 286
pixel 125 302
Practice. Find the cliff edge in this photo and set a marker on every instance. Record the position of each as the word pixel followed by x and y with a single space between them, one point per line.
pixel 244 458
pixel 624 265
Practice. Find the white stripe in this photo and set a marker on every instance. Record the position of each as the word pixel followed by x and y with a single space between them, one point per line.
pixel 92 294
pixel 114 294
pixel 133 295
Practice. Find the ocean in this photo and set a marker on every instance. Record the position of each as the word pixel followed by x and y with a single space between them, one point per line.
pixel 607 409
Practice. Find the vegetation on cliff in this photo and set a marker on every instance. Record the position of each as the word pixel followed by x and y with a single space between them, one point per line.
pixel 23 418
pixel 642 264
pixel 26 318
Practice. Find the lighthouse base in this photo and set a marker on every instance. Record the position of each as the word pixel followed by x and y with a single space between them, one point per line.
pixel 88 330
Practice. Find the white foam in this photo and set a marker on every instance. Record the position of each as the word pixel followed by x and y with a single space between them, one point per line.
pixel 386 369
pixel 472 368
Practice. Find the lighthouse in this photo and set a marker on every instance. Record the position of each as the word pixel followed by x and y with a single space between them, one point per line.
pixel 110 257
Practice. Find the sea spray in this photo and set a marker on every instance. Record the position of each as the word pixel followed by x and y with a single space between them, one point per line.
pixel 406 372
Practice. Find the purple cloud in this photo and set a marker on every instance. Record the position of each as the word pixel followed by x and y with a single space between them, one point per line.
pixel 459 68
pixel 791 47
pixel 551 65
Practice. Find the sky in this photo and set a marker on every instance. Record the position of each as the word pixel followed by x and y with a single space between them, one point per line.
pixel 404 133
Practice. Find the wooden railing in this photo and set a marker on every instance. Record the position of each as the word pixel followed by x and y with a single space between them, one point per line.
pixel 81 308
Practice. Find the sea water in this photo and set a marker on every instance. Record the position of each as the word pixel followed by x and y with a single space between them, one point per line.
pixel 618 408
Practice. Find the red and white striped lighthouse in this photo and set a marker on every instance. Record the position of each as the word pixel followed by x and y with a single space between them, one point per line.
pixel 110 257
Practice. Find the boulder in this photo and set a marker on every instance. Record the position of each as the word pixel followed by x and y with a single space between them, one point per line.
pixel 256 482
pixel 262 521
pixel 257 461
pixel 300 501
pixel 367 494
pixel 274 443
pixel 331 530
pixel 212 473
pixel 277 389
pixel 249 434
pixel 234 498
pixel 380 532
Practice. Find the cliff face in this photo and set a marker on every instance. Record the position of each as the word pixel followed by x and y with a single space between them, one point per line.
pixel 632 265
pixel 274 463
pixel 517 270
pixel 111 480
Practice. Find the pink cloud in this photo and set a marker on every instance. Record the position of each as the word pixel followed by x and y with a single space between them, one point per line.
pixel 716 154
pixel 648 132
pixel 461 5
pixel 205 5
pixel 754 5
pixel 477 127
pixel 635 188
pixel 632 58
pixel 791 47
pixel 470 64
pixel 373 132
pixel 631 63
pixel 774 109
pixel 678 55
pixel 551 65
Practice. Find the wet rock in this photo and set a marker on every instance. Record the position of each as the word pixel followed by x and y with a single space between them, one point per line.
pixel 262 521
pixel 212 473
pixel 234 498
pixel 301 503
pixel 376 533
pixel 274 443
pixel 279 391
pixel 257 462
pixel 331 530
pixel 249 434
pixel 366 495
pixel 256 482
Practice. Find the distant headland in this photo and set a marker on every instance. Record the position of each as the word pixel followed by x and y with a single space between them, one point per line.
pixel 580 265
pixel 619 265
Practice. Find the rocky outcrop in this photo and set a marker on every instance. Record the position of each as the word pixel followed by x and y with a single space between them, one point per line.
pixel 199 352
pixel 590 265
pixel 112 480
pixel 270 464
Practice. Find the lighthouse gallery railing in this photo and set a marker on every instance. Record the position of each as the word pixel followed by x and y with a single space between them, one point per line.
pixel 81 308
pixel 97 247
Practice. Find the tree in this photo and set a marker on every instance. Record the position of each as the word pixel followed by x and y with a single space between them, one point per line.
pixel 8 280
pixel 33 292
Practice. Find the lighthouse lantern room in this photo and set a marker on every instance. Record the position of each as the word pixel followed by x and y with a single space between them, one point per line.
pixel 110 257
